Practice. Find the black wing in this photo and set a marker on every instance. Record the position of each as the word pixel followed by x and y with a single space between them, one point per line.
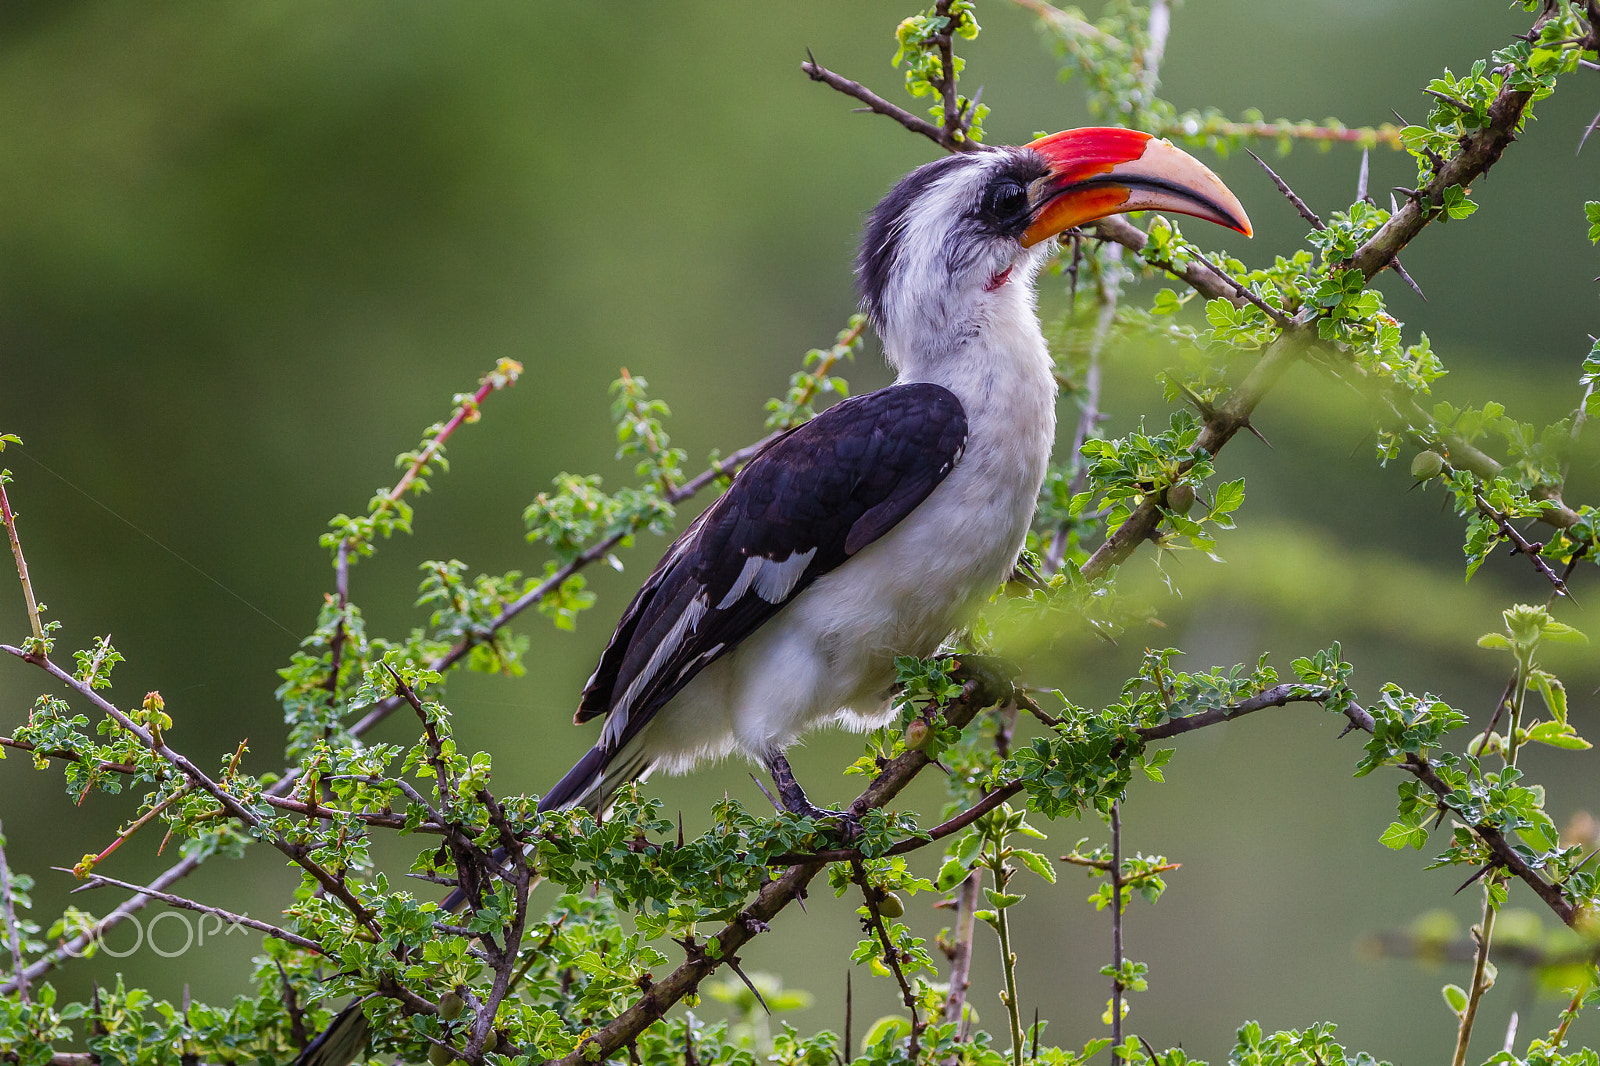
pixel 808 502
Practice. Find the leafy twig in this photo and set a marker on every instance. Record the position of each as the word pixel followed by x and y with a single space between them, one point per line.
pixel 891 955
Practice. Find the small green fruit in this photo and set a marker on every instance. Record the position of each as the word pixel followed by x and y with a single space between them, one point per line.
pixel 917 734
pixel 1180 498
pixel 450 1006
pixel 491 1041
pixel 440 1055
pixel 891 906
pixel 1427 465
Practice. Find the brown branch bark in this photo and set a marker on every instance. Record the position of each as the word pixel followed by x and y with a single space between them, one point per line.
pixel 1552 895
pixel 1480 150
pixel 967 897
pixel 384 708
pixel 891 955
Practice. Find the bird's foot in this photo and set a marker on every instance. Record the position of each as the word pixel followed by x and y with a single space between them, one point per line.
pixel 794 799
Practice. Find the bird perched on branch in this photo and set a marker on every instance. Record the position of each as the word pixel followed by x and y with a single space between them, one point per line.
pixel 877 528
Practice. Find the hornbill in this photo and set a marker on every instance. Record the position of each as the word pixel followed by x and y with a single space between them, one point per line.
pixel 878 527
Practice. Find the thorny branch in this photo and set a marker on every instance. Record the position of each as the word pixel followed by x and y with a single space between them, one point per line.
pixel 1116 932
pixel 979 692
pixel 1108 293
pixel 95 880
pixel 296 853
pixel 13 935
pixel 942 137
pixel 1479 150
pixel 16 553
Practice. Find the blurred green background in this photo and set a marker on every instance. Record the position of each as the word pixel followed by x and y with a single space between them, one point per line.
pixel 247 251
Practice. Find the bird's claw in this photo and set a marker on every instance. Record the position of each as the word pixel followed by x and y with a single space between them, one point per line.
pixel 847 822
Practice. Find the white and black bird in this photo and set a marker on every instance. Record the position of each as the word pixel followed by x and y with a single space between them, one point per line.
pixel 877 528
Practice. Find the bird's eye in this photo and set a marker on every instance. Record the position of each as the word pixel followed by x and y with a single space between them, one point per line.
pixel 1005 200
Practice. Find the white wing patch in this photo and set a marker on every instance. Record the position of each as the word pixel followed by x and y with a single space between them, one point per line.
pixel 772 580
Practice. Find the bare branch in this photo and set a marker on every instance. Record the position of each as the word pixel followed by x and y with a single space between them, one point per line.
pixel 94 880
pixel 943 138
pixel 10 520
pixel 13 935
pixel 967 896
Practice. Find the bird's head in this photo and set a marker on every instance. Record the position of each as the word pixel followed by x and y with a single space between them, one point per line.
pixel 959 239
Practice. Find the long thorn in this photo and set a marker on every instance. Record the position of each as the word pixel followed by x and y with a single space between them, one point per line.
pixel 1394 265
pixel 1283 187
pixel 733 964
pixel 1582 140
pixel 770 798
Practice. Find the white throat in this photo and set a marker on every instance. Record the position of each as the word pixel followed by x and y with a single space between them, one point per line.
pixel 987 349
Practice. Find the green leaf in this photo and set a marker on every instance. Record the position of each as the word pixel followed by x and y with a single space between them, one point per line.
pixel 1562 633
pixel 1554 694
pixel 951 874
pixel 1398 835
pixel 1001 900
pixel 891 1027
pixel 1037 863
pixel 1558 735
pixel 1495 641
pixel 1591 211
pixel 1455 997
pixel 1229 496
pixel 1456 204
pixel 1222 314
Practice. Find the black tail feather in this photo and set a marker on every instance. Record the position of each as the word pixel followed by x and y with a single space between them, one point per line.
pixel 573 789
pixel 340 1043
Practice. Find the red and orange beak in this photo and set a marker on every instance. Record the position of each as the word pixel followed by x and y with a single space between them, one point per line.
pixel 1102 170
